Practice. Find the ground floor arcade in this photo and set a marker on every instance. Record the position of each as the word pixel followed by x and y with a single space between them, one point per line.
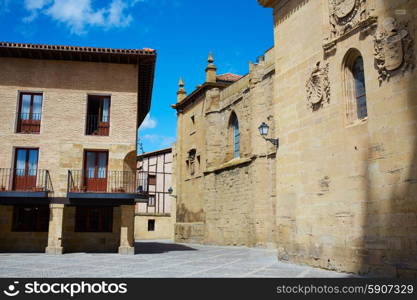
pixel 61 228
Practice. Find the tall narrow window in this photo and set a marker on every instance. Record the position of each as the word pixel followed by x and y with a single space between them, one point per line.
pixel 25 170
pixel 152 201
pixel 355 88
pixel 360 93
pixel 95 170
pixel 152 188
pixel 29 113
pixel 234 126
pixel 98 115
pixel 151 225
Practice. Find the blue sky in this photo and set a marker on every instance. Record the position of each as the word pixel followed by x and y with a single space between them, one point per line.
pixel 182 32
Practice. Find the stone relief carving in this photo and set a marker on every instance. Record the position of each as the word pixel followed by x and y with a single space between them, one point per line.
pixel 318 87
pixel 394 49
pixel 212 100
pixel 345 16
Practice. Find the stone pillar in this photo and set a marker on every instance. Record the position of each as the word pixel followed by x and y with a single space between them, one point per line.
pixel 181 94
pixel 127 225
pixel 211 69
pixel 56 217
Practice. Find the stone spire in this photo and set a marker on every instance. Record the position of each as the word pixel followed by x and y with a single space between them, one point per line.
pixel 181 94
pixel 211 69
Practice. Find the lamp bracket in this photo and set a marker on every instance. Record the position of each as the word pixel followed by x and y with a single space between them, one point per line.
pixel 275 142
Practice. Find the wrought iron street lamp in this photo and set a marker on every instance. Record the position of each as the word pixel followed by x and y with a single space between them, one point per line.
pixel 170 191
pixel 263 131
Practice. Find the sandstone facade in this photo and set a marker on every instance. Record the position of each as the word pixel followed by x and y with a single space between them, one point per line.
pixel 341 188
pixel 62 137
pixel 353 177
pixel 216 194
pixel 67 78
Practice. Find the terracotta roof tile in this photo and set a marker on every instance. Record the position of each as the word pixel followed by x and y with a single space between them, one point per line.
pixel 228 77
pixel 145 51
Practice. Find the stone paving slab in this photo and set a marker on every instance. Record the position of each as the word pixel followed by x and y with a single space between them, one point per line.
pixel 159 259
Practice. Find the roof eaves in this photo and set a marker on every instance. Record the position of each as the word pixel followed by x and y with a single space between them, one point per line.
pixel 197 91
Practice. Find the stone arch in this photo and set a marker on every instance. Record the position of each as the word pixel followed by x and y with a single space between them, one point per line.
pixel 130 161
pixel 354 87
pixel 234 134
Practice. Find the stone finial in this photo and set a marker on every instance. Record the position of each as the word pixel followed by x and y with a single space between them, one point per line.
pixel 210 58
pixel 211 69
pixel 181 94
pixel 181 83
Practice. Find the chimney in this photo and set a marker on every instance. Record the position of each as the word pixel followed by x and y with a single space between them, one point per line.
pixel 211 69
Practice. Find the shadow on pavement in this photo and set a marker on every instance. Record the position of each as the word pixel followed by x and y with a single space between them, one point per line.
pixel 155 247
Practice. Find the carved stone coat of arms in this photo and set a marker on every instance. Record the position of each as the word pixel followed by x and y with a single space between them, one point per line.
pixel 318 87
pixel 393 48
pixel 346 15
pixel 343 9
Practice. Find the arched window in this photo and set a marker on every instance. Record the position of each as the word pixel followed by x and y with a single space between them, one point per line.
pixel 234 126
pixel 355 88
pixel 360 92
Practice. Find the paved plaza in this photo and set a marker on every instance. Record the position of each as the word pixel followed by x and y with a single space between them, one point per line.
pixel 156 259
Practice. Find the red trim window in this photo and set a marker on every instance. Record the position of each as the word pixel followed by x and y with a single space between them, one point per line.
pixel 98 115
pixel 29 113
pixel 25 169
pixel 95 170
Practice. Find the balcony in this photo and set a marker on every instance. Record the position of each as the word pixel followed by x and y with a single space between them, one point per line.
pixel 115 185
pixel 97 125
pixel 28 123
pixel 24 183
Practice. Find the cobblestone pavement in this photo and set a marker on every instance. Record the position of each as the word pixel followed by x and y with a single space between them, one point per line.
pixel 159 259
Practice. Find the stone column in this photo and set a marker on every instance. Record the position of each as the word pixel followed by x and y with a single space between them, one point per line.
pixel 56 217
pixel 127 223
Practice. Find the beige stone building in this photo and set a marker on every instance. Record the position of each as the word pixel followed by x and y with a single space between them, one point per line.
pixel 340 190
pixel 222 163
pixel 68 179
pixel 155 219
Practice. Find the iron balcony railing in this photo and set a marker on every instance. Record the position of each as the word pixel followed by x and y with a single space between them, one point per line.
pixel 97 125
pixel 25 180
pixel 28 123
pixel 97 181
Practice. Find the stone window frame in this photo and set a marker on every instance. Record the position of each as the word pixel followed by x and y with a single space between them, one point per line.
pixel 233 144
pixel 349 89
pixel 34 123
pixel 93 121
pixel 151 225
pixel 191 161
pixel 193 124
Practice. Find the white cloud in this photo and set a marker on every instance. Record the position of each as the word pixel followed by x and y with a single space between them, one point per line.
pixel 116 16
pixel 148 123
pixel 164 141
pixel 79 15
pixel 36 4
pixel 154 139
